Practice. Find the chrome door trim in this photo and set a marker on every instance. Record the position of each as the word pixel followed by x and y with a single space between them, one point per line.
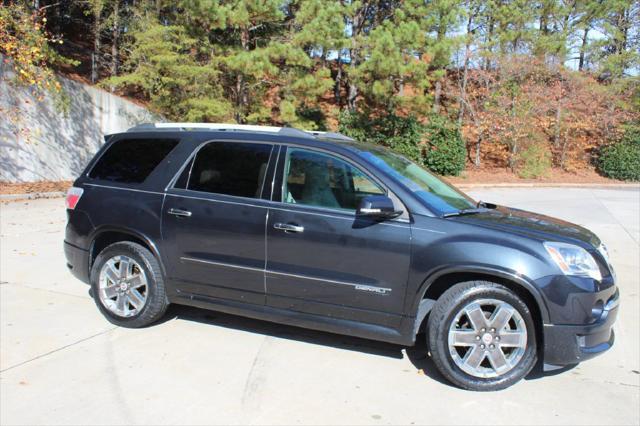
pixel 227 265
pixel 356 286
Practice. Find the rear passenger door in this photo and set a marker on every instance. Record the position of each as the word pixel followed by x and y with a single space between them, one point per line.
pixel 213 222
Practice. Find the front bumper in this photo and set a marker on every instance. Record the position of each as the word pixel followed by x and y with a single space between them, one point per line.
pixel 77 261
pixel 571 344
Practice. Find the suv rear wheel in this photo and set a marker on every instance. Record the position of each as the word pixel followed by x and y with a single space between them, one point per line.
pixel 127 285
pixel 481 336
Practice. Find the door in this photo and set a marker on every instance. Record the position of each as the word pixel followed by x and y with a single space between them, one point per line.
pixel 213 222
pixel 321 259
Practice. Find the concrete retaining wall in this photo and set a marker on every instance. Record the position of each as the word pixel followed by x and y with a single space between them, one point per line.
pixel 43 143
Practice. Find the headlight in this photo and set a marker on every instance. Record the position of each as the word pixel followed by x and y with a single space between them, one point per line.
pixel 573 260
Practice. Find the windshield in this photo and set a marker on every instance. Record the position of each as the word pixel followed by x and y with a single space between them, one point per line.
pixel 436 193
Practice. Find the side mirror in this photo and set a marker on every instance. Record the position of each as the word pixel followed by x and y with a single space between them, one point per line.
pixel 377 206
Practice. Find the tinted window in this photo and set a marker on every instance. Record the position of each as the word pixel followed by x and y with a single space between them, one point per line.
pixel 322 180
pixel 132 160
pixel 229 168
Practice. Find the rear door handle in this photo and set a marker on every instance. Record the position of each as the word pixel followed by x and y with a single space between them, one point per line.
pixel 179 212
pixel 288 227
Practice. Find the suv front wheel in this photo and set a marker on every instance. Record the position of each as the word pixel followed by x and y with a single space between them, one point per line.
pixel 481 336
pixel 128 286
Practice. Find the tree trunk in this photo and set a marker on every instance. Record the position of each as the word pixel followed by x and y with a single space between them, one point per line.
pixel 95 64
pixel 436 97
pixel 476 160
pixel 583 49
pixel 489 37
pixel 353 56
pixel 115 35
pixel 556 136
pixel 242 97
pixel 513 152
pixel 353 94
pixel 513 155
pixel 338 83
pixel 465 71
pixel 353 89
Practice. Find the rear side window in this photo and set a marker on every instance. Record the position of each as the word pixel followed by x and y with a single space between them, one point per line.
pixel 132 160
pixel 229 168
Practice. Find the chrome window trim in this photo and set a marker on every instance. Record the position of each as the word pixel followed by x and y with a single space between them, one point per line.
pixel 340 157
pixel 350 162
pixel 192 156
pixel 264 270
pixel 275 173
pixel 99 185
pixel 281 146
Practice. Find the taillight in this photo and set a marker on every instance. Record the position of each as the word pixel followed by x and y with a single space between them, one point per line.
pixel 73 196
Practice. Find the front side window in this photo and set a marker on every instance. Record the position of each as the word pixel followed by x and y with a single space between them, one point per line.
pixel 131 160
pixel 316 179
pixel 228 168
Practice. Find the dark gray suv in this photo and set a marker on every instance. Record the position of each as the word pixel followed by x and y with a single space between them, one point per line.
pixel 319 231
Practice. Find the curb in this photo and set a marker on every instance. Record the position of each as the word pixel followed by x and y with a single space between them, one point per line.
pixel 31 196
pixel 548 185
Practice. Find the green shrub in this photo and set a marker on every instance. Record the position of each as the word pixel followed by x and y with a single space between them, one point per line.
pixel 535 161
pixel 622 159
pixel 446 152
pixel 402 134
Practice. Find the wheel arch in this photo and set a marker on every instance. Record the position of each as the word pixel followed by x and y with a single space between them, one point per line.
pixel 107 235
pixel 438 282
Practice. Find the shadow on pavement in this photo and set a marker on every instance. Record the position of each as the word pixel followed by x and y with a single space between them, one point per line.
pixel 417 355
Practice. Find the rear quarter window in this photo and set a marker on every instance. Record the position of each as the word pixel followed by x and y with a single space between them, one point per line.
pixel 131 160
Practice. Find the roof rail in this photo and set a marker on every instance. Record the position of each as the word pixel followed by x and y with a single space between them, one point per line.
pixel 330 135
pixel 287 131
pixel 209 126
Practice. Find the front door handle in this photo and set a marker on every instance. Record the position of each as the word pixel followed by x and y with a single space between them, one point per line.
pixel 179 212
pixel 288 227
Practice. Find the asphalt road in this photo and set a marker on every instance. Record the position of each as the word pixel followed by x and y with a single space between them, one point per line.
pixel 62 363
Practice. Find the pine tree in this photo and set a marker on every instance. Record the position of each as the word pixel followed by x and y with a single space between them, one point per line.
pixel 166 65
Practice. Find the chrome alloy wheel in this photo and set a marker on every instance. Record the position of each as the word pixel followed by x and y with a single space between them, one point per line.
pixel 123 286
pixel 487 338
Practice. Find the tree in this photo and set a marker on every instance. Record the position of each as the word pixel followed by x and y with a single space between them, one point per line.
pixel 619 51
pixel 166 67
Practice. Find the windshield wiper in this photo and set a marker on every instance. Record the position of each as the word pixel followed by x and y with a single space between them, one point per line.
pixel 465 211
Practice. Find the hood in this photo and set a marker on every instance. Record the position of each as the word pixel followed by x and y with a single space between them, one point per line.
pixel 531 225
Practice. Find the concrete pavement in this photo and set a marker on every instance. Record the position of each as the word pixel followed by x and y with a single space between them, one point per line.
pixel 62 363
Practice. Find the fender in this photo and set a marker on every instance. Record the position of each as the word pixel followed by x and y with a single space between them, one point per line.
pixel 512 276
pixel 125 230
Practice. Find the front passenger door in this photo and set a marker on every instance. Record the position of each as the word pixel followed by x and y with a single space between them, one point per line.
pixel 323 260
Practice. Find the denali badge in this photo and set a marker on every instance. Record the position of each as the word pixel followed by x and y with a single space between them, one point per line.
pixel 372 289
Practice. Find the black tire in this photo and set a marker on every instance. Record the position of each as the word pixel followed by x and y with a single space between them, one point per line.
pixel 157 301
pixel 444 314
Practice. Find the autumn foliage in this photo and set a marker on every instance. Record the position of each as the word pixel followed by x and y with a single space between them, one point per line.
pixel 27 45
pixel 526 103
